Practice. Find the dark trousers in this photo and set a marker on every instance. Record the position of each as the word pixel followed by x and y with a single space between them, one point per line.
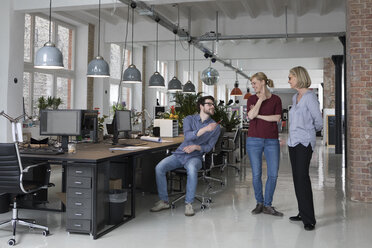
pixel 300 157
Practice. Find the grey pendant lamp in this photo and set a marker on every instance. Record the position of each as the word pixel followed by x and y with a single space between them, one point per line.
pixel 49 56
pixel 98 67
pixel 156 80
pixel 189 87
pixel 132 75
pixel 175 85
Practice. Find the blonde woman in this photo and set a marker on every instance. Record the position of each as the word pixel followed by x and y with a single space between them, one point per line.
pixel 265 110
pixel 305 120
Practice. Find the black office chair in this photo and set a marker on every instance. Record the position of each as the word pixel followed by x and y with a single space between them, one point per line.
pixel 231 149
pixel 204 174
pixel 211 159
pixel 12 181
pixel 181 173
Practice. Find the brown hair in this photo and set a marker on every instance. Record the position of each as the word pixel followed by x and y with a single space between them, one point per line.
pixel 303 78
pixel 262 76
pixel 201 101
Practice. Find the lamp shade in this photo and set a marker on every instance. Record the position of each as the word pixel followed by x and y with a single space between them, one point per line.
pixel 189 87
pixel 98 67
pixel 236 92
pixel 174 85
pixel 247 95
pixel 49 57
pixel 156 81
pixel 210 76
pixel 132 75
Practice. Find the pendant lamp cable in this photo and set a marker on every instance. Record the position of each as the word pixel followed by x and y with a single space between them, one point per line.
pixel 99 26
pixel 156 55
pixel 189 63
pixel 50 20
pixel 193 62
pixel 132 32
pixel 124 57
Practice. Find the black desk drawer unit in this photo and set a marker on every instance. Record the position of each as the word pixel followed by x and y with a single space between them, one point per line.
pixel 79 199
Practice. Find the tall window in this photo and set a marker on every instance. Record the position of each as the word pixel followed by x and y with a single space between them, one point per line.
pixel 45 82
pixel 161 95
pixel 208 90
pixel 117 54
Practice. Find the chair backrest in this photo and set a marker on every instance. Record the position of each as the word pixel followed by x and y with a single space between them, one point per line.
pixel 10 172
pixel 218 146
pixel 237 137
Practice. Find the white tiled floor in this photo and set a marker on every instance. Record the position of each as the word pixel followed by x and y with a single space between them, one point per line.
pixel 228 222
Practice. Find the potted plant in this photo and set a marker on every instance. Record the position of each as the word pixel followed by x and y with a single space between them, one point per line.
pixel 227 119
pixel 185 105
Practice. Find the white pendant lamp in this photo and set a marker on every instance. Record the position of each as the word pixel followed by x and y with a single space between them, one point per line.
pixel 98 67
pixel 49 56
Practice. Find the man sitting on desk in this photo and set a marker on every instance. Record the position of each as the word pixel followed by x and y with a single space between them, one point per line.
pixel 201 134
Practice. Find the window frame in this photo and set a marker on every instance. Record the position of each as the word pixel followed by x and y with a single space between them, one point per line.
pixel 56 73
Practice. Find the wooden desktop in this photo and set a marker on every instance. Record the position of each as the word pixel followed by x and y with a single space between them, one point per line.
pixel 86 182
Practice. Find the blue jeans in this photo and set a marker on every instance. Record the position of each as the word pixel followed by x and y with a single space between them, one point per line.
pixel 170 163
pixel 270 147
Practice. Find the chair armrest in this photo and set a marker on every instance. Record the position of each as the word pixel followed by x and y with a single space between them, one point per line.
pixel 25 170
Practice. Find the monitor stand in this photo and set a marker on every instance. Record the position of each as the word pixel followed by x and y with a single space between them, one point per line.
pixel 65 143
pixel 115 138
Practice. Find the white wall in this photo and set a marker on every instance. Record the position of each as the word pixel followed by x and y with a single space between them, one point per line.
pixel 11 65
pixel 81 57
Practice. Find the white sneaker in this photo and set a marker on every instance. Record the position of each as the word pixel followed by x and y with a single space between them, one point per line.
pixel 189 211
pixel 160 205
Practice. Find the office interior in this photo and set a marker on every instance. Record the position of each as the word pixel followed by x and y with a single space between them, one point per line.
pixel 268 36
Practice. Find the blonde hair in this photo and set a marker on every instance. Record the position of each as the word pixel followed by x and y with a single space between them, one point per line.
pixel 303 78
pixel 262 77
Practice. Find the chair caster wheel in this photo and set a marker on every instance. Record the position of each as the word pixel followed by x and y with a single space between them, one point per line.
pixel 203 206
pixel 209 200
pixel 11 242
pixel 46 233
pixel 222 184
pixel 173 206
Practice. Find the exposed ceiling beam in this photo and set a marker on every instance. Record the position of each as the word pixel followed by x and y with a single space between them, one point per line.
pixel 207 14
pixel 40 6
pixel 275 6
pixel 183 34
pixel 104 16
pixel 270 36
pixel 68 15
pixel 225 9
pixel 249 7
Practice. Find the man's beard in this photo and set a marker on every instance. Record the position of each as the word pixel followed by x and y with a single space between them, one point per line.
pixel 208 113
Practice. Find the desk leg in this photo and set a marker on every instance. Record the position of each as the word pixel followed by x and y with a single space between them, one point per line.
pixel 63 206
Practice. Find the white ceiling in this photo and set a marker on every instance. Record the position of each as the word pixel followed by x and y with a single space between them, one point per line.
pixel 235 17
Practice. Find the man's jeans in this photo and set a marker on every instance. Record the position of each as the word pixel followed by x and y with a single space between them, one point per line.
pixel 270 147
pixel 170 163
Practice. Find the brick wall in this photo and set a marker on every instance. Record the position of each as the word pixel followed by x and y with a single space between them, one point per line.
pixel 328 83
pixel 359 97
pixel 90 80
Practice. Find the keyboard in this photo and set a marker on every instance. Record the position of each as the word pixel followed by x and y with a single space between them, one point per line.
pixel 41 151
pixel 131 142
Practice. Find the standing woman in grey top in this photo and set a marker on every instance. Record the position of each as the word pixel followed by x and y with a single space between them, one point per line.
pixel 305 120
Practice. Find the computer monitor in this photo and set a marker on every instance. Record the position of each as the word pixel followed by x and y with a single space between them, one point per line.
pixel 89 125
pixel 158 111
pixel 65 123
pixel 122 123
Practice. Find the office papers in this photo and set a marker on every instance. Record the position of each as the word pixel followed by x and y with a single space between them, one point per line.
pixel 153 139
pixel 128 148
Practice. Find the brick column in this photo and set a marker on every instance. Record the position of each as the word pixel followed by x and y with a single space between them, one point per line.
pixel 90 80
pixel 328 83
pixel 359 97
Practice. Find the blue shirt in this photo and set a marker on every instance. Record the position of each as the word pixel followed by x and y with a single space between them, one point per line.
pixel 191 126
pixel 305 120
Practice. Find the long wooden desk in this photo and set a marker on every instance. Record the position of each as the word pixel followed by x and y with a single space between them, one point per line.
pixel 86 182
